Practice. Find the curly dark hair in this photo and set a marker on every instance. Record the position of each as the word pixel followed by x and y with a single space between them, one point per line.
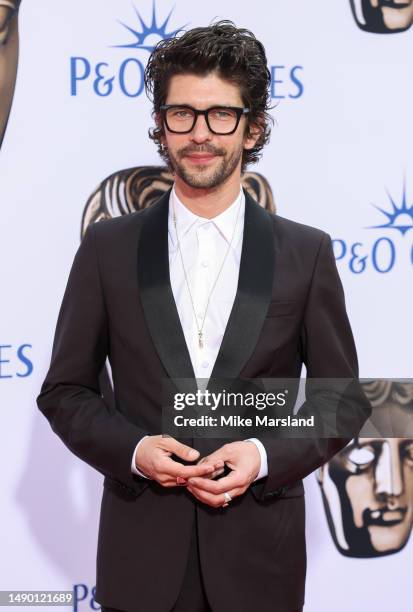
pixel 235 54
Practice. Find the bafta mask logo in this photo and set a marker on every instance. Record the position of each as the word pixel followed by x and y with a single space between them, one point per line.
pixel 8 9
pixel 367 488
pixel 9 44
pixel 383 16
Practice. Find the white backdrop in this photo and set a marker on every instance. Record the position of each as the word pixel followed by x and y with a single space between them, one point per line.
pixel 340 146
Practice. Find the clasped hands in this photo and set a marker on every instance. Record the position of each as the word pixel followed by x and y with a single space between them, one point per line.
pixel 153 458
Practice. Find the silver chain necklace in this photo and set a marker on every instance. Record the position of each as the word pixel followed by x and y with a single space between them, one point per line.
pixel 201 327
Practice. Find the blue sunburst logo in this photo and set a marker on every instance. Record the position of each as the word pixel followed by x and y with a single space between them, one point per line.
pixel 400 217
pixel 151 34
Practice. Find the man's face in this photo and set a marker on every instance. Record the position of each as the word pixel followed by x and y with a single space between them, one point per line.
pixel 383 15
pixel 202 159
pixel 372 481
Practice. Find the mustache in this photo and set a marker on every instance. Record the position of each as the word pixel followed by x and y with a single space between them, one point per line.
pixel 205 148
pixel 378 516
pixel 391 4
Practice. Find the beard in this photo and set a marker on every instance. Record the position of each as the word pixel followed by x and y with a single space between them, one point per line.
pixel 204 177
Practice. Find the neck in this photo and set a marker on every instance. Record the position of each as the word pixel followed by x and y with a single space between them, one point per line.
pixel 208 203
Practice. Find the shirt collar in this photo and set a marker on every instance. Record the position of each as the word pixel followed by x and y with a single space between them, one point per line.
pixel 224 222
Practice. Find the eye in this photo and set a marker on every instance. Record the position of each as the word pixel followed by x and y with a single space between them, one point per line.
pixel 362 457
pixel 222 114
pixel 180 113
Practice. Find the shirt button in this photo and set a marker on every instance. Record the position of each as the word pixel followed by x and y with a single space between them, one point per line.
pixel 206 227
pixel 200 316
pixel 205 364
pixel 205 263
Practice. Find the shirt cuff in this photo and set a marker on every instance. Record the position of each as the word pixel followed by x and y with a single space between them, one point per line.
pixel 133 464
pixel 263 454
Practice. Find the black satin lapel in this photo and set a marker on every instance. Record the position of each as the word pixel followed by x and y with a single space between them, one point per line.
pixel 156 293
pixel 256 275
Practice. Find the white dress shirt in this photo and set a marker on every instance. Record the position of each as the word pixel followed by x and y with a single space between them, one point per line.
pixel 204 245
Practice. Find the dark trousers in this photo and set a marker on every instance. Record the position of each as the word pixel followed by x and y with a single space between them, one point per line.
pixel 192 596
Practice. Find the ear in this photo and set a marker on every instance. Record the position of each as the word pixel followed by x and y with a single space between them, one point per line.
pixel 253 133
pixel 158 120
pixel 159 124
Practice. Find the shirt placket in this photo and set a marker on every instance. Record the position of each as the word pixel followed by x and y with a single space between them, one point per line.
pixel 202 287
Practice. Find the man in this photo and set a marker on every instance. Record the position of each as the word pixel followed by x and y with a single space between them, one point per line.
pixel 205 284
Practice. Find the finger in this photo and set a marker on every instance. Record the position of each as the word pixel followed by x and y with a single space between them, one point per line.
pixel 167 481
pixel 218 455
pixel 173 468
pixel 233 480
pixel 215 501
pixel 216 473
pixel 218 463
pixel 205 498
pixel 183 451
pixel 217 469
pixel 173 483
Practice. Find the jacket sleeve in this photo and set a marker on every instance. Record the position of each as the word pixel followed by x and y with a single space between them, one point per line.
pixel 328 351
pixel 70 397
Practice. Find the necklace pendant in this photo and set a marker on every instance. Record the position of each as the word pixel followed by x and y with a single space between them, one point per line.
pixel 200 341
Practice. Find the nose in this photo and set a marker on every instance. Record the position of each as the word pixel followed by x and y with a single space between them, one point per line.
pixel 389 478
pixel 200 132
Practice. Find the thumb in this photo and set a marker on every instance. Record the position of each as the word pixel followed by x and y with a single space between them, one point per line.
pixel 183 450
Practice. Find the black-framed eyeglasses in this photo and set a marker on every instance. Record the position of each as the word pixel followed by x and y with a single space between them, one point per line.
pixel 221 120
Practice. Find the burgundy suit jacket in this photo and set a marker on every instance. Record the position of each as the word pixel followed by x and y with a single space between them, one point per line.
pixel 289 310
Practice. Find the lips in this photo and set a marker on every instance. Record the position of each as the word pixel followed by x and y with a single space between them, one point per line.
pixel 200 159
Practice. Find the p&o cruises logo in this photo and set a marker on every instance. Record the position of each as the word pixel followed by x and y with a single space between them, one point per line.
pixel 381 255
pixel 125 75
